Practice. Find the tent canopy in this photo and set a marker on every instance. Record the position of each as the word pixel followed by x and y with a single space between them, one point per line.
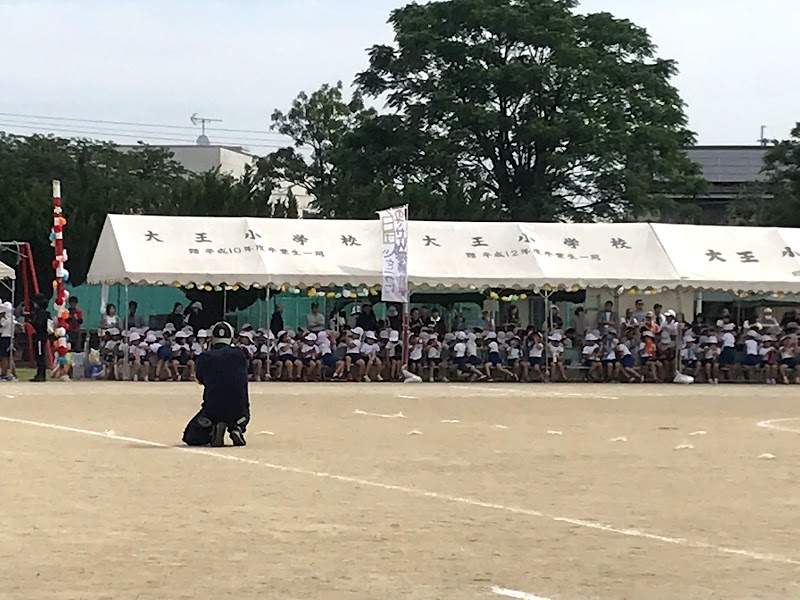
pixel 445 255
pixel 7 272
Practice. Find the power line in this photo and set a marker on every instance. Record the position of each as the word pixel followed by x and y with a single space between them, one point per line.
pixel 136 124
pixel 138 136
pixel 127 132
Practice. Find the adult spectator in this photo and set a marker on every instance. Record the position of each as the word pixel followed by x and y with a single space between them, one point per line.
pixel 366 320
pixel 658 316
pixel 414 319
pixel 110 320
pixel 6 337
pixel 579 323
pixel 132 319
pixel 194 316
pixel 315 320
pixel 394 318
pixel 638 311
pixel 276 322
pixel 512 316
pixel 176 317
pixel 485 322
pixel 607 319
pixel 437 324
pixel 74 324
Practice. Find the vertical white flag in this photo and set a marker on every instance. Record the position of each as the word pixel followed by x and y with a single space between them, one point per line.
pixel 394 234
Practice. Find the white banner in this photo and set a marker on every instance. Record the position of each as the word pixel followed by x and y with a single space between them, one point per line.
pixel 394 239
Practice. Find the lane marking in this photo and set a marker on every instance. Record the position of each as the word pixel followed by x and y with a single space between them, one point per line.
pixel 500 591
pixel 636 533
pixel 771 424
pixel 399 415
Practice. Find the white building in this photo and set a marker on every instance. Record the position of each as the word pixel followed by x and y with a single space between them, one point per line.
pixel 231 160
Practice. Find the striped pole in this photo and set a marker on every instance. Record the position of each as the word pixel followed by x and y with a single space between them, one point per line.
pixel 61 277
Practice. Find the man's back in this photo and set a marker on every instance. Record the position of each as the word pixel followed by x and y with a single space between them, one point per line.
pixel 223 372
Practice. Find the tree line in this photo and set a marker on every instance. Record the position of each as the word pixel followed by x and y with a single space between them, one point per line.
pixel 489 110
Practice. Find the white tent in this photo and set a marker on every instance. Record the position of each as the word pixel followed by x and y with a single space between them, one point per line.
pixel 746 259
pixel 7 272
pixel 151 249
pixel 319 253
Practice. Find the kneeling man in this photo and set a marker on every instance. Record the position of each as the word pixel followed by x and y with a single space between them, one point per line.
pixel 222 370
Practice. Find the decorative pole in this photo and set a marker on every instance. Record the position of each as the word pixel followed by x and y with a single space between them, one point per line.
pixel 61 277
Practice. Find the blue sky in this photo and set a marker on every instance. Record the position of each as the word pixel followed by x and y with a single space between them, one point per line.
pixel 159 62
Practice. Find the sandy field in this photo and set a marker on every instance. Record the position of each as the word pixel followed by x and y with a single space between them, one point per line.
pixel 467 492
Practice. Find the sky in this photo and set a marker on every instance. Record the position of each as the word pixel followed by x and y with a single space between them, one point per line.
pixel 159 62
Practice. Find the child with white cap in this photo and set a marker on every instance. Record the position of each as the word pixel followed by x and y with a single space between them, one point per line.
pixel 555 356
pixel 138 355
pixel 434 358
pixel 325 354
pixel 352 357
pixel 788 354
pixel 513 353
pixel 767 353
pixel 590 357
pixel 308 356
pixel 394 355
pixel 625 364
pixel 711 361
pixel 535 358
pixel 247 344
pixel 689 355
pixel 495 361
pixel 370 354
pixel 649 352
pixel 415 355
pixel 285 366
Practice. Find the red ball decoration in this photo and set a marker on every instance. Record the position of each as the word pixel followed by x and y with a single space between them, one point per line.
pixel 62 350
pixel 57 228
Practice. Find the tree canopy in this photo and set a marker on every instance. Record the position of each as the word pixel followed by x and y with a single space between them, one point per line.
pixel 97 178
pixel 554 114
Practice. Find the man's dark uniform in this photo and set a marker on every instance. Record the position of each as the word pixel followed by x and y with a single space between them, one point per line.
pixel 38 319
pixel 222 370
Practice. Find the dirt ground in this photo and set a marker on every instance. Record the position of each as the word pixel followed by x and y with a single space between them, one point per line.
pixel 332 500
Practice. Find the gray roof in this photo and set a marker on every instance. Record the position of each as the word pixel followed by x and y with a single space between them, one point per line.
pixel 730 164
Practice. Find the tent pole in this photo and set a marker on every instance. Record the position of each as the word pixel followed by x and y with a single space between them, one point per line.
pixel 405 335
pixel 224 303
pixel 127 370
pixel 268 369
pixel 679 338
pixel 12 367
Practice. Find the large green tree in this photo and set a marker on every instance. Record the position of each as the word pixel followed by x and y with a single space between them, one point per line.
pixel 316 123
pixel 782 165
pixel 555 114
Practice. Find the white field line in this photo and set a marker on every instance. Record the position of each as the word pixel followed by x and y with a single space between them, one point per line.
pixel 636 533
pixel 399 415
pixel 499 591
pixel 771 424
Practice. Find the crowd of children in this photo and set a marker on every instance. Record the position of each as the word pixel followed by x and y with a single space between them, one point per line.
pixel 637 349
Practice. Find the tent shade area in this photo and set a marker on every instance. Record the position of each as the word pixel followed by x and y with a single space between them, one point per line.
pixel 7 272
pixel 445 255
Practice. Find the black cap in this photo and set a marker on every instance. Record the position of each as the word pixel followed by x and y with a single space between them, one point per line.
pixel 222 333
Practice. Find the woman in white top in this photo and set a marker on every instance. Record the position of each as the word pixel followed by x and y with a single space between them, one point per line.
pixel 110 320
